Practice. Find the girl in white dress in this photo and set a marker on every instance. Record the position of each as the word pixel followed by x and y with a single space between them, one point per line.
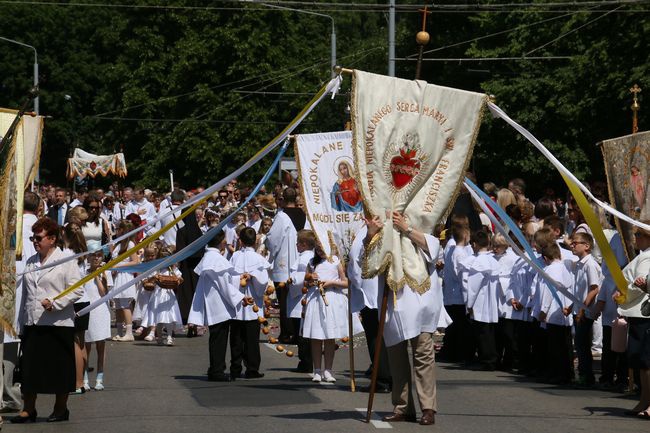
pixel 99 324
pixel 326 315
pixel 163 310
pixel 144 293
pixel 124 301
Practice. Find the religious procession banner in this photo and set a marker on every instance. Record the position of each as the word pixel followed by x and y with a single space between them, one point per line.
pixel 84 164
pixel 627 164
pixel 18 166
pixel 332 198
pixel 412 142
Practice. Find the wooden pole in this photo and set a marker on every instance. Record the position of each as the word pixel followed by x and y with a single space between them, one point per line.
pixel 375 361
pixel 351 341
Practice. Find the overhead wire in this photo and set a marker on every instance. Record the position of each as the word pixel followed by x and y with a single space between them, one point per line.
pixel 570 32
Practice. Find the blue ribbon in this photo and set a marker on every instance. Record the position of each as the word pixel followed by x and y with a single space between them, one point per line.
pixel 203 240
pixel 515 230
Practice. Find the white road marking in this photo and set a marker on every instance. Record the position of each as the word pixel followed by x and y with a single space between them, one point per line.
pixel 374 418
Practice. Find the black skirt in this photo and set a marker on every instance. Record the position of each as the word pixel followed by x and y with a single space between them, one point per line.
pixel 47 362
pixel 638 342
pixel 81 322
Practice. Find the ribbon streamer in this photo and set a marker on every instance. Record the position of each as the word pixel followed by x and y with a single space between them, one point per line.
pixel 599 236
pixel 578 190
pixel 531 260
pixel 471 186
pixel 191 248
pixel 331 87
pixel 497 112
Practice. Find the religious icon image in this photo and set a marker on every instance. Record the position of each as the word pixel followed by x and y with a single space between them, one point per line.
pixel 345 195
pixel 638 186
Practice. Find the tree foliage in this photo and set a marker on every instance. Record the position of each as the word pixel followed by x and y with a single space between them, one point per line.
pixel 191 72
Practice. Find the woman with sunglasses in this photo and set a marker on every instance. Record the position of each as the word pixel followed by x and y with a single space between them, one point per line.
pixel 48 357
pixel 95 229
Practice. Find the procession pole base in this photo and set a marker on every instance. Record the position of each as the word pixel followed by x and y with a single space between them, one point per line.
pixel 375 361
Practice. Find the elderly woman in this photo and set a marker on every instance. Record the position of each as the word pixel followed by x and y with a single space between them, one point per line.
pixel 48 361
pixel 637 311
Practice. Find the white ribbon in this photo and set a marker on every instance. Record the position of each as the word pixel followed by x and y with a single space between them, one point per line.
pixel 497 112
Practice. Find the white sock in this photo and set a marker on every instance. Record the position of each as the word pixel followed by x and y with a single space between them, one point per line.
pixel 129 330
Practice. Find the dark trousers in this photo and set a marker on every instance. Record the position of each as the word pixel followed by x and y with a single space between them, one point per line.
pixel 584 331
pixel 457 344
pixel 506 344
pixel 560 353
pixel 304 347
pixel 524 336
pixel 287 331
pixel 612 363
pixel 370 323
pixel 244 346
pixel 540 346
pixel 484 335
pixel 217 345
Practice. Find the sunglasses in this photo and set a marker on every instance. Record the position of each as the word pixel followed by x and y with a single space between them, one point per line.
pixel 37 238
pixel 93 207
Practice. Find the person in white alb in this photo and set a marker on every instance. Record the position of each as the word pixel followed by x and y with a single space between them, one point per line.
pixel 252 278
pixel 177 198
pixel 411 318
pixel 305 246
pixel 143 208
pixel 215 304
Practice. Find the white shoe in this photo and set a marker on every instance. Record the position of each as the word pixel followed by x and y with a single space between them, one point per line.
pixel 316 377
pixel 327 375
pixel 128 337
pixel 149 337
pixel 99 385
pixel 170 341
pixel 86 386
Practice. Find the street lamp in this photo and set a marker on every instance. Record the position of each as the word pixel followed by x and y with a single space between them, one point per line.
pixel 36 107
pixel 332 35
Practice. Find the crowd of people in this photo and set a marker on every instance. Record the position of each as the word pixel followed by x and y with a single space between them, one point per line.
pixel 497 311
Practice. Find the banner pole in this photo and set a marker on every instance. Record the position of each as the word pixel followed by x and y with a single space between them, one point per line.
pixel 375 361
pixel 351 341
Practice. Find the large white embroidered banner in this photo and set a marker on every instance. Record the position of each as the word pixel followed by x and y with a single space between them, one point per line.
pixel 332 198
pixel 412 142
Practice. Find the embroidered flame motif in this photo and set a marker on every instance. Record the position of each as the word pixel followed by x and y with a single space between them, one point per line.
pixel 405 166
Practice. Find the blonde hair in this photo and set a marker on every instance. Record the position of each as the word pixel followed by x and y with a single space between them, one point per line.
pixel 505 197
pixel 499 241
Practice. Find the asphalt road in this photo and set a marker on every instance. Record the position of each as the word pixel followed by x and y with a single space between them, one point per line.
pixel 152 388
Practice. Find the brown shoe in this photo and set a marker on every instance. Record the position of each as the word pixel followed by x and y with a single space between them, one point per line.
pixel 428 417
pixel 399 417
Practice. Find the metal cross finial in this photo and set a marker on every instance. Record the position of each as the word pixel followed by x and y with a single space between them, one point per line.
pixel 425 12
pixel 635 90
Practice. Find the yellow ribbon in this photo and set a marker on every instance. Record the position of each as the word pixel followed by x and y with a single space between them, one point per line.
pixel 189 210
pixel 592 221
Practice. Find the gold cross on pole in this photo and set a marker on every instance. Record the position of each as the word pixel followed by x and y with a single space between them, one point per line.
pixel 635 90
pixel 425 13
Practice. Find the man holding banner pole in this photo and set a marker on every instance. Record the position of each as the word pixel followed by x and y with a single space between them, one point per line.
pixel 410 318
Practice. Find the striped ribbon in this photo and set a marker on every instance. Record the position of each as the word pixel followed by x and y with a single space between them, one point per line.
pixel 332 86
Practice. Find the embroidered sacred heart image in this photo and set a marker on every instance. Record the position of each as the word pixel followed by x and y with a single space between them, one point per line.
pixel 405 166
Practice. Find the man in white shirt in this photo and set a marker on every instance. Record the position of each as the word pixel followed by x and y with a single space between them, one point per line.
pixel 80 196
pixel 141 207
pixel 177 198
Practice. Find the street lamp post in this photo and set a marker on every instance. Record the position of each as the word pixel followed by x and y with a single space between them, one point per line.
pixel 36 102
pixel 332 34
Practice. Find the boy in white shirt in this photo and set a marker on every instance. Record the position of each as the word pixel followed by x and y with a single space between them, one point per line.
pixel 215 304
pixel 588 279
pixel 556 319
pixel 252 270
pixel 455 347
pixel 305 245
pixel 505 332
pixel 482 299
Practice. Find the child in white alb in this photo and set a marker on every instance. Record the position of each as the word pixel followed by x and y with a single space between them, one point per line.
pixel 99 322
pixel 163 311
pixel 326 317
